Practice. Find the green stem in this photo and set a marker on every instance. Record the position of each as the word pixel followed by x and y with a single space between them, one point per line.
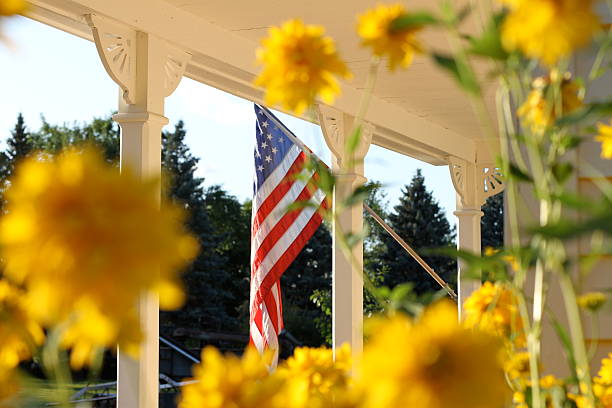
pixel 594 335
pixel 576 333
pixel 55 367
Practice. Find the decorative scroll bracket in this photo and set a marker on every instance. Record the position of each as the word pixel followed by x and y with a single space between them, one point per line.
pixel 336 126
pixel 474 183
pixel 117 46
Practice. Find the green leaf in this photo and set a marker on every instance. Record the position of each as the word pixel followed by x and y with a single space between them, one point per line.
pixel 562 171
pixel 412 20
pixel 360 194
pixel 570 141
pixel 353 239
pixel 459 70
pixel 298 205
pixel 353 140
pixel 588 113
pixel 326 179
pixel 489 43
pixel 567 344
pixel 518 174
pixel 569 229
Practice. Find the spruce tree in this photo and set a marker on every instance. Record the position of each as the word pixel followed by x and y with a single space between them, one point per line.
pixel 421 222
pixel 492 222
pixel 206 280
pixel 19 145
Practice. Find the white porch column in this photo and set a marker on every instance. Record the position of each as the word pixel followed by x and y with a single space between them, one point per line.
pixel 147 69
pixel 474 183
pixel 347 278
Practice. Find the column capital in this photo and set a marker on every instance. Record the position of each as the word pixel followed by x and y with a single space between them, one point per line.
pixel 474 182
pixel 121 49
pixel 468 212
pixel 140 117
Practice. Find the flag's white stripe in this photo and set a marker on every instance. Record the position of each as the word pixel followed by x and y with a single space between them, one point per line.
pixel 275 177
pixel 256 336
pixel 281 246
pixel 278 212
pixel 270 335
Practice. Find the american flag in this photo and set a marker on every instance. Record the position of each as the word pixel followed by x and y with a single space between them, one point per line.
pixel 278 233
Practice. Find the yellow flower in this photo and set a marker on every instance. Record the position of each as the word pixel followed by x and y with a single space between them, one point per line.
pixel 604 136
pixel 549 381
pixel 518 399
pixel 509 259
pixel 602 384
pixel 517 367
pixel 86 241
pixel 313 378
pixel 493 308
pixel 537 113
pixel 19 334
pixel 549 29
pixel 433 363
pixel 300 64
pixel 592 301
pixel 231 382
pixel 399 46
pixel 10 7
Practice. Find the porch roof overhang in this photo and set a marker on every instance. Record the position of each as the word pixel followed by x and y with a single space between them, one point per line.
pixel 418 113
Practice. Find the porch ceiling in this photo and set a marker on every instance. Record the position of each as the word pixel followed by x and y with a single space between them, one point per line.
pixel 418 112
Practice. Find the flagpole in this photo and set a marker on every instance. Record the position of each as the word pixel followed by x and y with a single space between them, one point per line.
pixel 372 213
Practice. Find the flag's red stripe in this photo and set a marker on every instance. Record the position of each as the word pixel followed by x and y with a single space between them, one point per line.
pixel 279 191
pixel 290 254
pixel 283 224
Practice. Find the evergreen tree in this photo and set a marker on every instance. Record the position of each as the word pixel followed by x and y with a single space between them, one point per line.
pixel 206 281
pixel 232 223
pixel 19 146
pixel 421 222
pixel 492 222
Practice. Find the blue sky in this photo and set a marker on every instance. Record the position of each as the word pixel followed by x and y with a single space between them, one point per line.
pixel 46 71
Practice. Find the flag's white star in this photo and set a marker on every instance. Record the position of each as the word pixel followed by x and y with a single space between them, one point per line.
pixel 260 168
pixel 264 145
pixel 257 154
pixel 264 124
pixel 281 139
pixel 268 159
pixel 274 150
pixel 269 136
pixel 260 111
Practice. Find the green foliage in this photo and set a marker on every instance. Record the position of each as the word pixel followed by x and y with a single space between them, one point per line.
pixel 459 71
pixel 412 21
pixel 492 222
pixel 489 44
pixel 19 146
pixel 102 132
pixel 209 301
pixel 421 222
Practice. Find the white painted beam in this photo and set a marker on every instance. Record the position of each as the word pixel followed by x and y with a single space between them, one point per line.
pixel 225 60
